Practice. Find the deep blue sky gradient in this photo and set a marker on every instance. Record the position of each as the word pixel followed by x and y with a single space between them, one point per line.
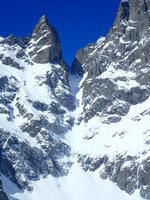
pixel 78 22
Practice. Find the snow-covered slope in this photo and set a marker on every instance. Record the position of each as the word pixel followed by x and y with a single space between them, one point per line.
pixel 83 180
pixel 77 185
pixel 35 113
pixel 100 150
pixel 113 115
pixel 118 151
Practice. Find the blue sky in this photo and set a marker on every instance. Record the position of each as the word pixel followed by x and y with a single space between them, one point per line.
pixel 78 22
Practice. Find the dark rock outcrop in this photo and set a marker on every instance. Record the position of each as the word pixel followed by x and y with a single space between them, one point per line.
pixel 125 171
pixel 82 56
pixel 45 44
pixel 32 146
pixel 116 67
pixel 117 76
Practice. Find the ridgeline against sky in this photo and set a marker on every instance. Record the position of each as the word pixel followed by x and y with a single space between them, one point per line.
pixel 78 22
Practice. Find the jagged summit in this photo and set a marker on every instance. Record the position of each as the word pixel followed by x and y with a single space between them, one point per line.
pixel 42 25
pixel 44 19
pixel 116 82
pixel 104 134
pixel 133 9
pixel 35 106
pixel 45 44
pixel 133 13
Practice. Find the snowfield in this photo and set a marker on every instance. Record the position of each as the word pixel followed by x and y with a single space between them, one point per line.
pixel 105 139
pixel 67 137
pixel 77 185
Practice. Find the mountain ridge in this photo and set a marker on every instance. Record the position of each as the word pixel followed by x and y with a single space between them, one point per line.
pixel 34 104
pixel 116 78
pixel 88 129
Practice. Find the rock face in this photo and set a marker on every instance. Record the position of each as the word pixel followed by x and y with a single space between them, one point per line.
pixel 117 77
pixel 83 55
pixel 35 107
pixel 45 44
pixel 119 62
pixel 108 135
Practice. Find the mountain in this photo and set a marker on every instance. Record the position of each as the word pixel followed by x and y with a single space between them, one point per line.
pixel 115 92
pixel 44 45
pixel 83 135
pixel 35 106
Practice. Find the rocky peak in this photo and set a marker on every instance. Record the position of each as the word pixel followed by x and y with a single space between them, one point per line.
pixel 133 10
pixel 124 10
pixel 134 14
pixel 117 76
pixel 45 45
pixel 41 28
pixel 125 49
pixel 43 20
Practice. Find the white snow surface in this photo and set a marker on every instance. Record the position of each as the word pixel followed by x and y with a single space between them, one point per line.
pixel 93 138
pixel 105 140
pixel 29 81
pixel 78 184
pixel 29 87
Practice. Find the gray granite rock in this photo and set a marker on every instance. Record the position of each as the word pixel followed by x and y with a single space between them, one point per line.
pixel 32 146
pixel 116 76
pixel 125 171
pixel 125 48
pixel 82 56
pixel 45 45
